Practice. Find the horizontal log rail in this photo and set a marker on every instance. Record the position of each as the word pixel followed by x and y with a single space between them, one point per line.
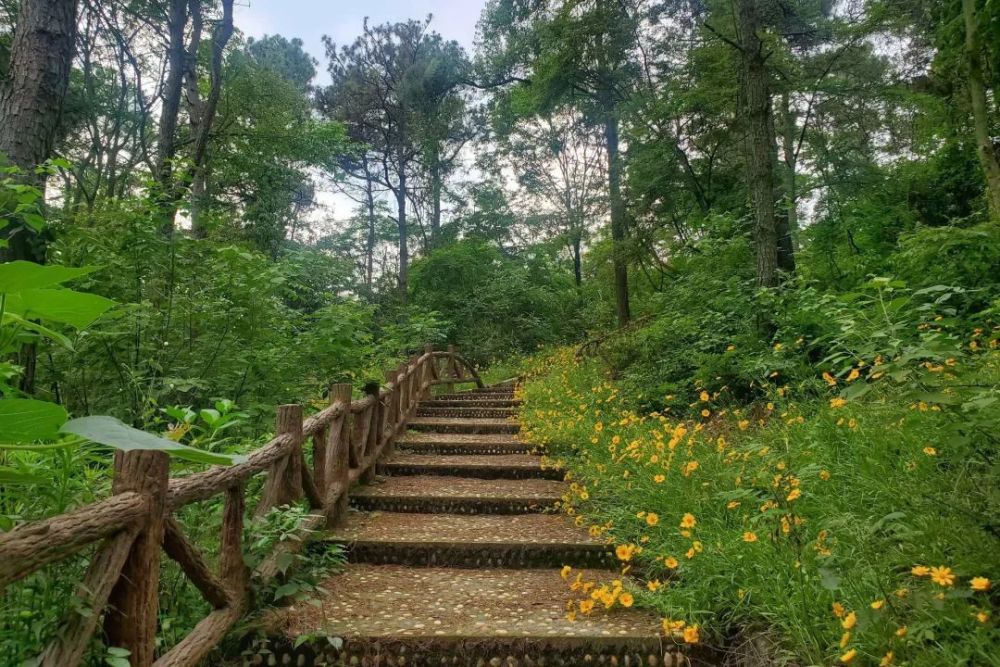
pixel 136 523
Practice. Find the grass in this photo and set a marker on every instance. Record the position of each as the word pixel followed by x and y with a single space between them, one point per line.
pixel 800 520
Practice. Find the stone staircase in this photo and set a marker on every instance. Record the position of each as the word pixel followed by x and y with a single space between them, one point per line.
pixel 454 559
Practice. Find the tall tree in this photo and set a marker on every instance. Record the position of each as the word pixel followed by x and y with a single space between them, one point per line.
pixel 981 115
pixel 394 88
pixel 560 165
pixel 31 100
pixel 183 54
pixel 32 94
pixel 755 101
pixel 575 53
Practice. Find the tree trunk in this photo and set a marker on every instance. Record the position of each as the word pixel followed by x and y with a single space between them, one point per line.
pixel 404 258
pixel 370 241
pixel 788 153
pixel 759 143
pixel 31 99
pixel 786 212
pixel 206 114
pixel 980 109
pixel 166 146
pixel 577 260
pixel 435 197
pixel 617 218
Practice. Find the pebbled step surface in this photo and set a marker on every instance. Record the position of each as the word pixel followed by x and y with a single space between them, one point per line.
pixel 471 403
pixel 449 528
pixel 458 425
pixel 369 603
pixel 460 495
pixel 477 396
pixel 496 466
pixel 467 412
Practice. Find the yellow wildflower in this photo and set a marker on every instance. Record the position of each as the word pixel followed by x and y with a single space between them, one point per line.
pixel 920 570
pixel 877 604
pixel 652 519
pixel 837 402
pixel 688 521
pixel 626 599
pixel 670 562
pixel 886 660
pixel 691 634
pixel 849 656
pixel 749 536
pixel 849 621
pixel 564 573
pixel 980 584
pixel 794 495
pixel 942 576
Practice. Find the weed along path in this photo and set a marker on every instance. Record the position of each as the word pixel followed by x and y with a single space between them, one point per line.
pixel 456 557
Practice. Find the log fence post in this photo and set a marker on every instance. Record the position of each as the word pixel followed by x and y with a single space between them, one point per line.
pixel 428 374
pixel 413 395
pixel 284 480
pixel 403 380
pixel 233 569
pixel 133 605
pixel 390 408
pixel 451 370
pixel 339 446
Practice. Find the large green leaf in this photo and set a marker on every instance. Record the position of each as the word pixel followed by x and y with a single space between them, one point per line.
pixel 113 433
pixel 37 328
pixel 77 309
pixel 19 276
pixel 27 420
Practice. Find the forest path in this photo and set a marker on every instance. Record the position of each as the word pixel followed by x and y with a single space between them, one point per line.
pixel 455 554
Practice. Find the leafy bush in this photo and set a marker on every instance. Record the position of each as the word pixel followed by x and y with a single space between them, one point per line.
pixel 494 304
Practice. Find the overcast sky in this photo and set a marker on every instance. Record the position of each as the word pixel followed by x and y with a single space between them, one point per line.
pixel 341 19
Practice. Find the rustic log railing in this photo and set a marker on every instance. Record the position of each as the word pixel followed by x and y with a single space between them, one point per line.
pixel 121 584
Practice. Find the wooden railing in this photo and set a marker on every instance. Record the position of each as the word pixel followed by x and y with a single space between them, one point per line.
pixel 121 584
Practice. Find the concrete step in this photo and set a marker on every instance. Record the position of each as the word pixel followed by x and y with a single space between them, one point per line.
pixel 470 403
pixel 397 615
pixel 458 495
pixel 452 540
pixel 458 425
pixel 483 394
pixel 466 412
pixel 499 466
pixel 462 443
